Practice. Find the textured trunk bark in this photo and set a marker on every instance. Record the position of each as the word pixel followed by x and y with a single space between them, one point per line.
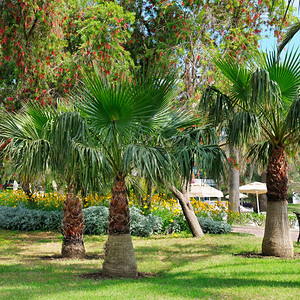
pixel 119 259
pixel 188 212
pixel 263 197
pixel 277 240
pixel 26 188
pixel 234 181
pixel 73 226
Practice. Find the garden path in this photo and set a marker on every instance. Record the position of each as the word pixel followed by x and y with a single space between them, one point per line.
pixel 259 231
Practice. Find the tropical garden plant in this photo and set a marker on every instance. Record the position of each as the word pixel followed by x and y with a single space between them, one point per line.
pixel 138 133
pixel 44 138
pixel 269 119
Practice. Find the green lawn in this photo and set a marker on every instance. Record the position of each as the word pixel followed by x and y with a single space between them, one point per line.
pixel 293 207
pixel 186 268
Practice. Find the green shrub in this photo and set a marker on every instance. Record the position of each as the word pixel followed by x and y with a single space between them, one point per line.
pixel 142 225
pixel 21 218
pixel 96 220
pixel 177 224
pixel 217 227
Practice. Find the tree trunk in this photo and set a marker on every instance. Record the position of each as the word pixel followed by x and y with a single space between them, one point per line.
pixel 188 212
pixel 277 240
pixel 73 226
pixel 26 188
pixel 119 259
pixel 263 197
pixel 234 180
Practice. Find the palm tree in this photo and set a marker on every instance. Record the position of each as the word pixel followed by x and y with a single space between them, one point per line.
pixel 43 138
pixel 221 114
pixel 190 141
pixel 123 117
pixel 132 123
pixel 268 99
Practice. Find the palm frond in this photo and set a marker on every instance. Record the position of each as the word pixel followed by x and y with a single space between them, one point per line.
pixel 292 120
pixel 288 36
pixel 285 72
pixel 239 75
pixel 244 126
pixel 260 152
pixel 219 105
pixel 150 162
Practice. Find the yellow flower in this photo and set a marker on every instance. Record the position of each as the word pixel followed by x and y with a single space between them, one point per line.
pixel 143 212
pixel 155 208
pixel 145 206
pixel 171 220
pixel 175 234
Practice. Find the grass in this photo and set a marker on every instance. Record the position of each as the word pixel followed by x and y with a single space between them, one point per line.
pixel 186 268
pixel 293 207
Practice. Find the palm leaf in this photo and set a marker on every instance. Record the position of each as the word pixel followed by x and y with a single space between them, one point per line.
pixel 289 36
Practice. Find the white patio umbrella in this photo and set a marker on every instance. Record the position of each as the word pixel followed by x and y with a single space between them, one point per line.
pixel 204 190
pixel 254 188
pixel 241 196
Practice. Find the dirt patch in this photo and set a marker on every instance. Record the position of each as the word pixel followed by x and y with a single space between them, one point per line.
pixel 100 276
pixel 60 257
pixel 260 255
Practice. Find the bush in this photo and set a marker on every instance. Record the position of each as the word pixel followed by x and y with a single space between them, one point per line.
pixel 96 220
pixel 21 218
pixel 217 227
pixel 142 225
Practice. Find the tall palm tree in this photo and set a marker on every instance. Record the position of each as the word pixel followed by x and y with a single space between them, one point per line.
pixel 191 140
pixel 268 98
pixel 130 120
pixel 123 117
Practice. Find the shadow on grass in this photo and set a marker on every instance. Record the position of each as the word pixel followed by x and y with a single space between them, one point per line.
pixel 197 284
pixel 189 269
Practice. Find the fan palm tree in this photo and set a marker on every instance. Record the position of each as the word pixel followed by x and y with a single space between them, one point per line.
pixel 123 117
pixel 43 138
pixel 131 120
pixel 268 99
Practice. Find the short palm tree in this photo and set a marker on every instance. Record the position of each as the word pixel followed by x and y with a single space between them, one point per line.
pixel 269 119
pixel 43 138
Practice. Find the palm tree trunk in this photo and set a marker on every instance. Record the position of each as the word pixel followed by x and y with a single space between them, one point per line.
pixel 277 240
pixel 234 181
pixel 73 226
pixel 263 197
pixel 188 212
pixel 26 188
pixel 119 259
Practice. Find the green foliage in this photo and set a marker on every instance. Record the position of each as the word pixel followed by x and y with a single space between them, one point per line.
pixel 20 218
pixel 45 46
pixel 141 225
pixel 96 220
pixel 208 225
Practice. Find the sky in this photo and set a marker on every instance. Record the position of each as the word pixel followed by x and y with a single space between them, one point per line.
pixel 268 44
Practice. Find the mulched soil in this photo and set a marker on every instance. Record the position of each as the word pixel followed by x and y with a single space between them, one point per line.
pixel 100 276
pixel 260 255
pixel 60 257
